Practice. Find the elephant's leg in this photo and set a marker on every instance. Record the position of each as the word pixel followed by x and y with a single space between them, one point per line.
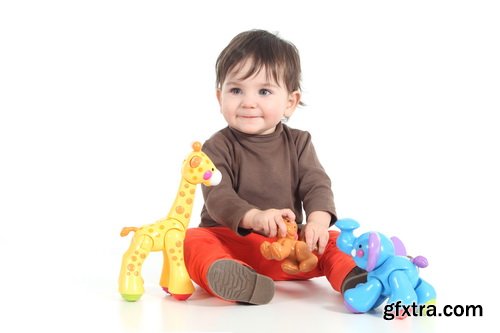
pixel 379 301
pixel 402 291
pixel 426 294
pixel 131 284
pixel 179 282
pixel 401 288
pixel 364 296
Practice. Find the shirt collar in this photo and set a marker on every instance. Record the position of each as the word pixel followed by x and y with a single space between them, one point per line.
pixel 259 138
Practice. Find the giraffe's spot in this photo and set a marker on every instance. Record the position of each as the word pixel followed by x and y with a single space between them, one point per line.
pixel 187 215
pixel 162 227
pixel 171 250
pixel 186 185
pixel 131 267
pixel 191 170
pixel 195 177
pixel 178 243
pixel 189 201
pixel 200 169
pixel 139 264
pixel 134 258
pixel 151 230
pixel 143 256
pixel 174 258
pixel 136 252
pixel 195 161
pixel 182 193
pixel 179 209
pixel 180 251
pixel 136 273
pixel 179 264
pixel 128 273
pixel 208 161
pixel 192 191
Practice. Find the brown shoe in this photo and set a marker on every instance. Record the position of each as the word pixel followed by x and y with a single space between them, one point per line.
pixel 356 275
pixel 233 281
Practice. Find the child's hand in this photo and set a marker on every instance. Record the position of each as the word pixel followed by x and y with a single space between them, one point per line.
pixel 267 222
pixel 315 231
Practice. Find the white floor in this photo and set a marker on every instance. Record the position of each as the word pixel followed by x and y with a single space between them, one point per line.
pixel 306 306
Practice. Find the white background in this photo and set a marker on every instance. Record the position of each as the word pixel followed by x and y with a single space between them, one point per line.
pixel 100 101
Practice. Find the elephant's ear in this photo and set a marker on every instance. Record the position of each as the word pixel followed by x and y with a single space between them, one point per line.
pixel 373 251
pixel 399 247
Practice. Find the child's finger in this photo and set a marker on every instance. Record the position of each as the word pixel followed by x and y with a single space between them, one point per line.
pixel 310 239
pixel 272 228
pixel 322 241
pixel 281 226
pixel 288 213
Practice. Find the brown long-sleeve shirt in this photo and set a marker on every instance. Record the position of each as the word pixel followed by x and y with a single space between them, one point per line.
pixel 279 170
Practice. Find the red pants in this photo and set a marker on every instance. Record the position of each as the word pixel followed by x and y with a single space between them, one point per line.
pixel 203 246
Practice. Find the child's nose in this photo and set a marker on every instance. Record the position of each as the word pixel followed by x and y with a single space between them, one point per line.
pixel 248 102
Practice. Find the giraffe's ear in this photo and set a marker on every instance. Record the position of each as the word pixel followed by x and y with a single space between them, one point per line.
pixel 195 161
pixel 196 146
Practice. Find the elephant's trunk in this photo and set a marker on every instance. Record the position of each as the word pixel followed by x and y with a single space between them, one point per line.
pixel 346 238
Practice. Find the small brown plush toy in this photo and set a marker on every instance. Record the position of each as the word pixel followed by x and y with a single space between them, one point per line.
pixel 294 253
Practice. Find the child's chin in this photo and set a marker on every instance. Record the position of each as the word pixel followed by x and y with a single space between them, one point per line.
pixel 253 130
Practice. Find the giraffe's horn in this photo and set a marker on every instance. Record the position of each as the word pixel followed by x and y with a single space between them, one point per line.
pixel 125 231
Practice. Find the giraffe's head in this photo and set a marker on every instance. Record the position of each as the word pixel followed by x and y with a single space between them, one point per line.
pixel 199 169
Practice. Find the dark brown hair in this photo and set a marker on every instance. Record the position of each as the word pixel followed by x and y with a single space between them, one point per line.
pixel 279 57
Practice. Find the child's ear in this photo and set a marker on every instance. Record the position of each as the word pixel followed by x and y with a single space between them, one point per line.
pixel 293 102
pixel 218 94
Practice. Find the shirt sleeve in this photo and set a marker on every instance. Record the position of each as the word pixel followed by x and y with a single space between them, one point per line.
pixel 222 202
pixel 315 189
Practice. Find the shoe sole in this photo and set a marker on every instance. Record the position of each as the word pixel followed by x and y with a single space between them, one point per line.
pixel 353 281
pixel 233 281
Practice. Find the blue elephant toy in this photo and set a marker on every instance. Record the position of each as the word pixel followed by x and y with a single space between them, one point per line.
pixel 391 275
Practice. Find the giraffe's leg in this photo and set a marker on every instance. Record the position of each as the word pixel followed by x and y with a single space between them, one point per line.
pixel 131 284
pixel 179 283
pixel 165 273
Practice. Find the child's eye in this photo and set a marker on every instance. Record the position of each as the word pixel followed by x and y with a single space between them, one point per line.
pixel 264 92
pixel 235 91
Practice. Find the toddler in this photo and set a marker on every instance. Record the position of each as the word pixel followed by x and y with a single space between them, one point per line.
pixel 270 172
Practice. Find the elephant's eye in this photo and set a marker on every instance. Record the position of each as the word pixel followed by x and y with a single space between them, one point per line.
pixel 360 246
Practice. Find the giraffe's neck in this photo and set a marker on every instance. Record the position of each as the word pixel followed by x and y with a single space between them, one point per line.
pixel 183 204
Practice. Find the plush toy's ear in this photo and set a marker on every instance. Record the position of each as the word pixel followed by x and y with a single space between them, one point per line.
pixel 373 251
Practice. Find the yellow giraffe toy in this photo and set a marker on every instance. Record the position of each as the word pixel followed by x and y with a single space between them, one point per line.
pixel 168 234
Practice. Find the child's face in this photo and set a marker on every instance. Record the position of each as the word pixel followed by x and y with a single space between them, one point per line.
pixel 255 105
